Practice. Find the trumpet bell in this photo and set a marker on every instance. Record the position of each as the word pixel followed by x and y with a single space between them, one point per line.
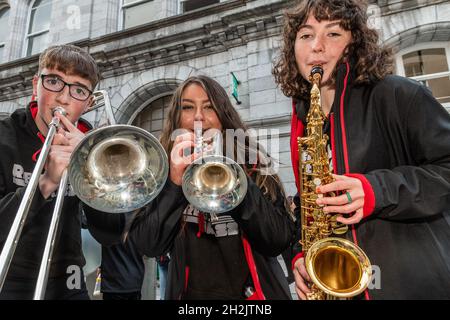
pixel 118 168
pixel 338 267
pixel 214 184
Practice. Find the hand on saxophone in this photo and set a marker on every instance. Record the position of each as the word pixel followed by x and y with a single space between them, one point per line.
pixel 301 279
pixel 63 144
pixel 350 201
pixel 179 161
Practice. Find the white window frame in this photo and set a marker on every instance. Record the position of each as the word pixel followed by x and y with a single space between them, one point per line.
pixel 125 6
pixel 31 35
pixel 424 46
pixel 3 44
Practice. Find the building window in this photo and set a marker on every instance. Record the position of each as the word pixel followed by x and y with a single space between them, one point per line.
pixel 430 66
pixel 190 5
pixel 39 25
pixel 4 26
pixel 153 116
pixel 137 12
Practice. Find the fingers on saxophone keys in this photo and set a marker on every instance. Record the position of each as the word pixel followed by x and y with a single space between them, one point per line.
pixel 347 208
pixel 333 186
pixel 339 200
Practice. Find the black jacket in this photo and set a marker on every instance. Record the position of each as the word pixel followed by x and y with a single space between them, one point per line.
pixel 396 138
pixel 18 143
pixel 265 231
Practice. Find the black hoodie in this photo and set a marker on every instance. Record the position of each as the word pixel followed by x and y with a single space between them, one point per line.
pixel 209 261
pixel 395 137
pixel 19 146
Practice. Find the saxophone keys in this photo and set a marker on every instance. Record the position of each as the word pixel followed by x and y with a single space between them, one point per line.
pixel 337 227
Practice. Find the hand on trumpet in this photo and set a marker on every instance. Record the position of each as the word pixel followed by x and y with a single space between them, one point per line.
pixel 179 161
pixel 58 158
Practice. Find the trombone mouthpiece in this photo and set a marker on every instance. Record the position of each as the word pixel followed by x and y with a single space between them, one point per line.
pixel 59 110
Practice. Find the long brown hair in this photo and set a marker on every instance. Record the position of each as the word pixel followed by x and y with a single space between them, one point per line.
pixel 371 61
pixel 229 118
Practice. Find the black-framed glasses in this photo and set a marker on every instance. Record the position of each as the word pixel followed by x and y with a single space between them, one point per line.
pixel 55 84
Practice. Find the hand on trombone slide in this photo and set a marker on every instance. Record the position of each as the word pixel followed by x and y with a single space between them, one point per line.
pixel 63 144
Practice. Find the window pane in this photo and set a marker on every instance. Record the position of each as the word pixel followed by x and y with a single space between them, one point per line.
pixel 38 3
pixel 440 88
pixel 424 62
pixel 130 1
pixel 37 43
pixel 190 5
pixel 40 17
pixel 153 117
pixel 139 14
pixel 4 27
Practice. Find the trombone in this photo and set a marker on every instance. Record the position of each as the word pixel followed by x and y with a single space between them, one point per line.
pixel 116 168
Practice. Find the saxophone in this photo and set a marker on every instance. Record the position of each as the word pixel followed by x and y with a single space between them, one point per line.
pixel 338 268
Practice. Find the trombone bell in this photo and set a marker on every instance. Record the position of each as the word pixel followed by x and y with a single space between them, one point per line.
pixel 118 168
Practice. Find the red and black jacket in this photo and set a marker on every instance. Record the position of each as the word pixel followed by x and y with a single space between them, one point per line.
pixel 20 144
pixel 395 138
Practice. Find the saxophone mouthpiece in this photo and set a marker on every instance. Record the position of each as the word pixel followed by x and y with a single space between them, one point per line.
pixel 317 69
pixel 316 75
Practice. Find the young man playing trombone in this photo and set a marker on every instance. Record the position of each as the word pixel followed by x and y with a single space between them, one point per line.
pixel 66 78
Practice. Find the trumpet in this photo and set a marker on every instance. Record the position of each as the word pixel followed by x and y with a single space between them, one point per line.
pixel 116 168
pixel 214 184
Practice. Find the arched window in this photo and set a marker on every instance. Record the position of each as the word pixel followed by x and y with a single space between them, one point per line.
pixel 153 116
pixel 4 27
pixel 39 26
pixel 429 64
pixel 137 12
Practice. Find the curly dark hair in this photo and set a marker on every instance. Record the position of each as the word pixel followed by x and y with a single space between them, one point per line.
pixel 372 61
